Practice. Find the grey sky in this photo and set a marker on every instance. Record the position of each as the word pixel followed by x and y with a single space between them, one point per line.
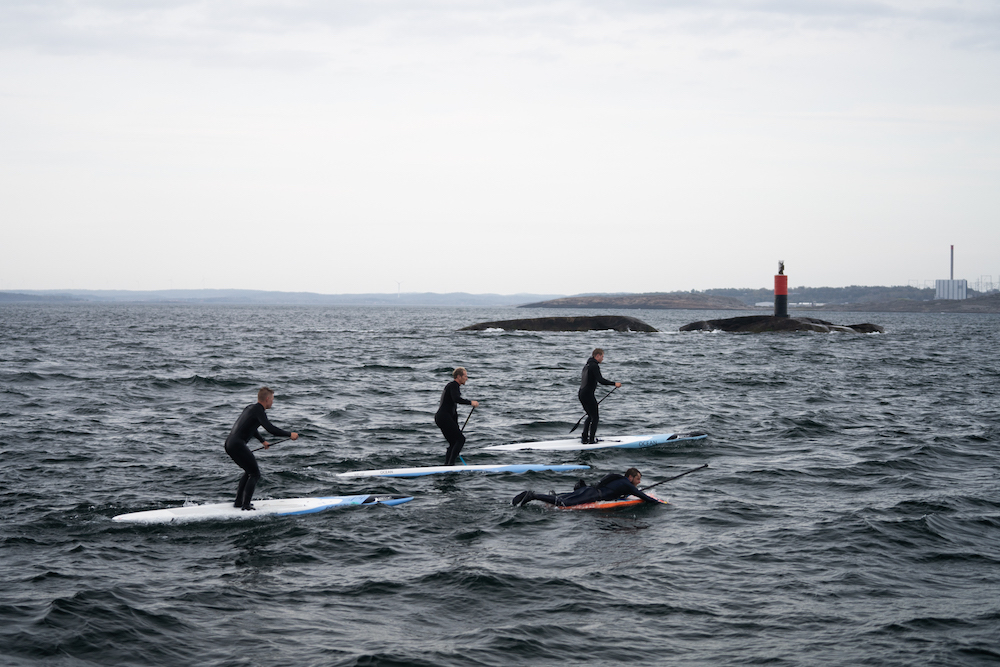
pixel 496 146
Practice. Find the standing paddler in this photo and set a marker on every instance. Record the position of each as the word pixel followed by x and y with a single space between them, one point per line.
pixel 589 380
pixel 446 416
pixel 246 426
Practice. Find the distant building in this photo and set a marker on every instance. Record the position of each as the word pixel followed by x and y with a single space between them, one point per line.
pixel 951 289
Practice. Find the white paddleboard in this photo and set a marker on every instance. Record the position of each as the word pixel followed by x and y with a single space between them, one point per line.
pixel 282 507
pixel 611 442
pixel 437 470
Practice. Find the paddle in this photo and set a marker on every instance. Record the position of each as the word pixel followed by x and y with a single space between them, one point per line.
pixel 599 402
pixel 272 444
pixel 463 431
pixel 467 418
pixel 674 477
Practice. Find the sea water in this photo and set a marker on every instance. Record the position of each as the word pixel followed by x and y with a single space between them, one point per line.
pixel 850 513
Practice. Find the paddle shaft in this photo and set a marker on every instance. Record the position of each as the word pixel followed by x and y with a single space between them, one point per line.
pixel 467 421
pixel 674 477
pixel 599 402
pixel 269 445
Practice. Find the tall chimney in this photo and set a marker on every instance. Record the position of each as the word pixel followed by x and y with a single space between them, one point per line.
pixel 953 262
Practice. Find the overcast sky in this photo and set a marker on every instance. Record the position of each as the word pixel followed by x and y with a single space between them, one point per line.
pixel 547 147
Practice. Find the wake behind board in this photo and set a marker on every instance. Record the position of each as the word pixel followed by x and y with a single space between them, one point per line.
pixel 614 442
pixel 282 507
pixel 629 501
pixel 438 470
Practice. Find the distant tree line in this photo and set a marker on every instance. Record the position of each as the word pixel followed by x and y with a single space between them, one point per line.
pixel 832 295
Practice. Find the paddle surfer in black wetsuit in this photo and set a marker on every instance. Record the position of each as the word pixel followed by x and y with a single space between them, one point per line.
pixel 246 426
pixel 610 487
pixel 589 380
pixel 446 416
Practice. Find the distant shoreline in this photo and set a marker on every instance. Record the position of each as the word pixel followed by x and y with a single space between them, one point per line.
pixel 989 303
pixel 721 299
pixel 698 301
pixel 261 297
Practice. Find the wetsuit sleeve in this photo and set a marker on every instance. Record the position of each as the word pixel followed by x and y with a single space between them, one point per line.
pixel 600 378
pixel 266 423
pixel 456 394
pixel 634 490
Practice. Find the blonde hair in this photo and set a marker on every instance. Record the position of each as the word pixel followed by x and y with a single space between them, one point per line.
pixel 264 392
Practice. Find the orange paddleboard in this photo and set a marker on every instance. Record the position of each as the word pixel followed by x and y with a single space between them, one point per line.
pixel 630 501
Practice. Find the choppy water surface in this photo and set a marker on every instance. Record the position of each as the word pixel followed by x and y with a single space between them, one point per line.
pixel 850 513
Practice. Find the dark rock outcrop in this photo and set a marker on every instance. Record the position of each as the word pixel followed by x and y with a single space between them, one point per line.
pixel 583 323
pixel 764 323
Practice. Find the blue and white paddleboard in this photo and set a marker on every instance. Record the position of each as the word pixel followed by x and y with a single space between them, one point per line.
pixel 612 442
pixel 282 507
pixel 438 470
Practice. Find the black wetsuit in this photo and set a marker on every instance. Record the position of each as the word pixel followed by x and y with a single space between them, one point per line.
pixel 589 380
pixel 446 418
pixel 252 417
pixel 609 488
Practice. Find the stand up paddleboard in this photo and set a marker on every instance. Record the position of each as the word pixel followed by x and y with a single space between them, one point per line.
pixel 438 470
pixel 283 507
pixel 615 442
pixel 630 501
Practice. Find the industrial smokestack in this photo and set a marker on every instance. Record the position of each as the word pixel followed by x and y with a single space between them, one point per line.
pixel 953 262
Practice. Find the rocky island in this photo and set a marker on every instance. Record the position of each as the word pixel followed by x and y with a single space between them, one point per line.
pixel 582 323
pixel 766 323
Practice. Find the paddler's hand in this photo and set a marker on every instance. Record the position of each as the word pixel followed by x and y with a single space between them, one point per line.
pixel 295 436
pixel 266 444
pixel 475 404
pixel 617 384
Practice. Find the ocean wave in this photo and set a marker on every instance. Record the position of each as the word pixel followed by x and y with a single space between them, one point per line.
pixel 851 493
